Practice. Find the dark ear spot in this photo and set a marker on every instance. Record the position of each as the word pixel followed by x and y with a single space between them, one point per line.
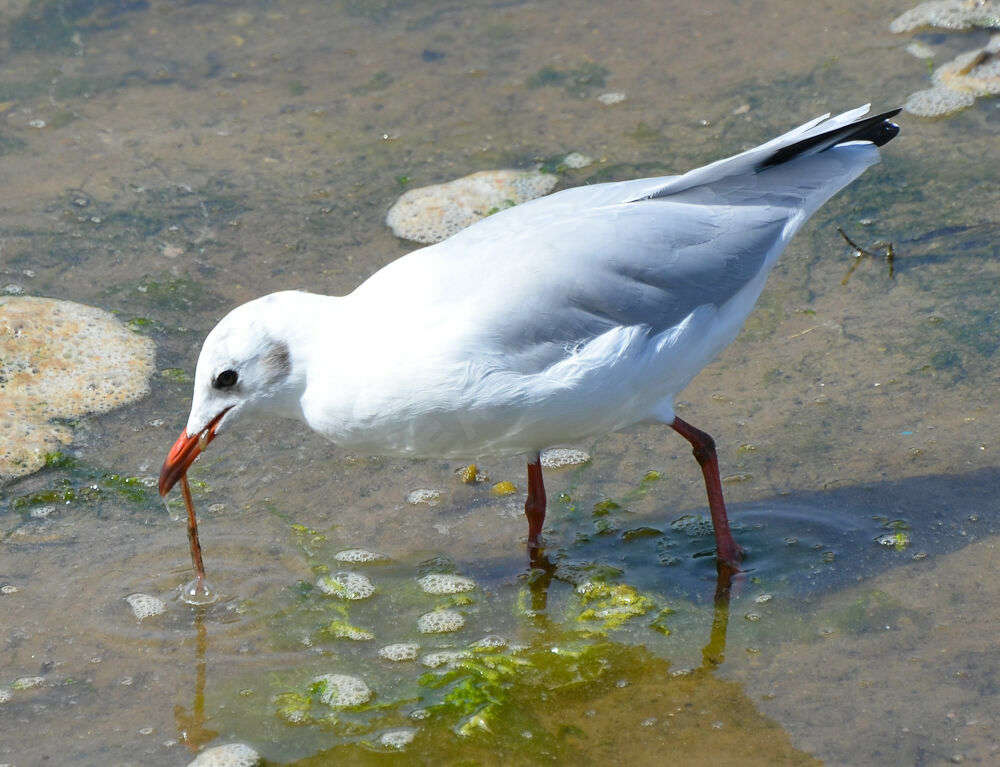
pixel 277 361
pixel 225 380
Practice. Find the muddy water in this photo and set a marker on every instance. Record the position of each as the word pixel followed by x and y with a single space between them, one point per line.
pixel 167 162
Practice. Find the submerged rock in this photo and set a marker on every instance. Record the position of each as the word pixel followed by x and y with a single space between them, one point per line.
pixel 61 360
pixel 434 213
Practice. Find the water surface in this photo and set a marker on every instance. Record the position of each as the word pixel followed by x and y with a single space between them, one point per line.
pixel 169 161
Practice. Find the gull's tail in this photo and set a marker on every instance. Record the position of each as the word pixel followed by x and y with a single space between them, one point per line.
pixel 812 138
pixel 876 130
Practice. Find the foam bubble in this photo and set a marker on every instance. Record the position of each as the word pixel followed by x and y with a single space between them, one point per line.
pixel 614 97
pixel 61 360
pixel 440 622
pixel 341 630
pixel 558 457
pixel 444 583
pixel 937 101
pixel 920 51
pixel 693 525
pixel 424 495
pixel 971 74
pixel 28 683
pixel 489 643
pixel 434 213
pixel 958 83
pixel 5 695
pixel 342 690
pixel 576 160
pixel 397 738
pixel 351 586
pixel 441 657
pixel 976 71
pixel 229 755
pixel 403 651
pixel 145 605
pixel 948 14
pixel 359 556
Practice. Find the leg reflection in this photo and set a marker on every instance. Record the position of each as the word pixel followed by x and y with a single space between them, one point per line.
pixel 191 725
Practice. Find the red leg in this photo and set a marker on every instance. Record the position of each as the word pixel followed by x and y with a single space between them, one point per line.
pixel 727 550
pixel 534 504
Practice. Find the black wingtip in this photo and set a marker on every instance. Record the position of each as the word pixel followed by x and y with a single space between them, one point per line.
pixel 882 132
pixel 877 129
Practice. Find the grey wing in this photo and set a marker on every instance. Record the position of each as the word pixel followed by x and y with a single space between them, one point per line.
pixel 646 263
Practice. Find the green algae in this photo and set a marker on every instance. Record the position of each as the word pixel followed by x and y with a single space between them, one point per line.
pixel 176 375
pixel 75 482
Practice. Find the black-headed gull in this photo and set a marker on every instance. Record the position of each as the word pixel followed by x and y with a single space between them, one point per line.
pixel 567 317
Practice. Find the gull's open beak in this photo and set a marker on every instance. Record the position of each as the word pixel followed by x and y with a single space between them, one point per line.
pixel 184 451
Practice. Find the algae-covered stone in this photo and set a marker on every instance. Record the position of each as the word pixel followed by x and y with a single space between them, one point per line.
pixel 61 360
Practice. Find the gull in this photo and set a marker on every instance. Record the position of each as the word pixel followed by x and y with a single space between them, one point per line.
pixel 571 316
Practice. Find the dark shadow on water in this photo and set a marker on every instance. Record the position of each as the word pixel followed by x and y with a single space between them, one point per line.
pixel 810 543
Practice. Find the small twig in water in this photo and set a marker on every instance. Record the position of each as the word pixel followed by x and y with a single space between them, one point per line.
pixel 859 253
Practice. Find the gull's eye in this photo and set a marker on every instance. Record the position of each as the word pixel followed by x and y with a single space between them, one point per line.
pixel 225 380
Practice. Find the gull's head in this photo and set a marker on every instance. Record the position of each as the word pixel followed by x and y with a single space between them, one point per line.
pixel 245 366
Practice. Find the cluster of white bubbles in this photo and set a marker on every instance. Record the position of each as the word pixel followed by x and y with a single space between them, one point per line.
pixel 446 583
pixel 558 457
pixel 973 74
pixel 948 14
pixel 399 652
pixel 228 755
pixel 351 586
pixel 424 495
pixel 61 360
pixel 343 690
pixel 489 643
pixel 359 556
pixel 397 738
pixel 441 657
pixel 145 605
pixel 440 622
pixel 353 633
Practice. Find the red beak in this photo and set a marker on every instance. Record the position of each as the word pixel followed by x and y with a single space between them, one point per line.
pixel 184 451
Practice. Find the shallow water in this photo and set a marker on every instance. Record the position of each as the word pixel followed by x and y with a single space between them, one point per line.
pixel 194 156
